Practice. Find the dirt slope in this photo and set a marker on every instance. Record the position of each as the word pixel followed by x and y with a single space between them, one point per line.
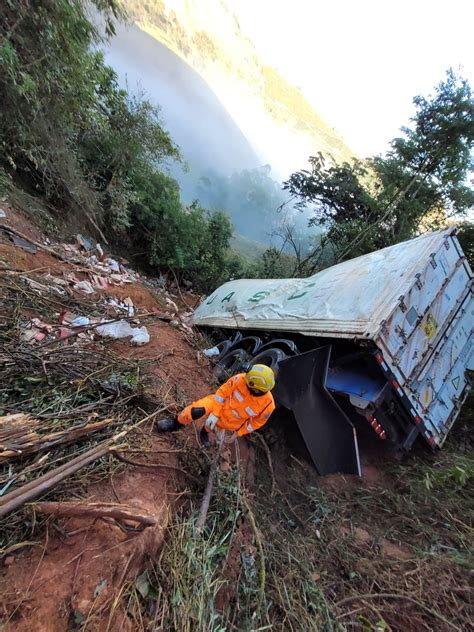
pixel 78 564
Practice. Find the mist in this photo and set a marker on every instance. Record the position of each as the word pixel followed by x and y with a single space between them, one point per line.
pixel 223 170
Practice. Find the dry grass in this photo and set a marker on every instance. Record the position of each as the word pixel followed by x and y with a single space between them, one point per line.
pixel 388 556
pixel 62 387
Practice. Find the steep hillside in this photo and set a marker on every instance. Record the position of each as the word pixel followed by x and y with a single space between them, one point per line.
pixel 270 111
pixel 192 113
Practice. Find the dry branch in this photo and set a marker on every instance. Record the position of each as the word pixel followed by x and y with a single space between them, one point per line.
pixel 94 510
pixel 36 442
pixel 30 491
pixel 206 499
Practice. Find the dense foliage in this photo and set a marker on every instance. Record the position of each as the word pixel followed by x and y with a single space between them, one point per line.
pixel 422 182
pixel 70 134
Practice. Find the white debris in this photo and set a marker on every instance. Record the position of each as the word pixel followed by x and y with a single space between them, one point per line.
pixel 171 303
pixel 2 213
pixel 84 286
pixel 81 321
pixel 212 352
pixel 122 329
pixel 113 264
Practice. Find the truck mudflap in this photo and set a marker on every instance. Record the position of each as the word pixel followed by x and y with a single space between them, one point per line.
pixel 327 432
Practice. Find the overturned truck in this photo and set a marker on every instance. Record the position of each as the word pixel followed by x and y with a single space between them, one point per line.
pixel 381 343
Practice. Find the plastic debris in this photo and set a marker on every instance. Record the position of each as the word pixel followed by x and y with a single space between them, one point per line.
pixel 171 304
pixel 125 306
pixel 84 242
pixel 98 247
pixel 2 213
pixel 113 264
pixel 81 321
pixel 36 331
pixel 84 286
pixel 211 352
pixel 122 329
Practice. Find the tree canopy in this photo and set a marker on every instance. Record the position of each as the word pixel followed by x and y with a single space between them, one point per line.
pixel 370 204
pixel 71 135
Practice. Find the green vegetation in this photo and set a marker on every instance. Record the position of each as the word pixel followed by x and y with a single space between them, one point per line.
pixel 421 183
pixel 96 155
pixel 302 553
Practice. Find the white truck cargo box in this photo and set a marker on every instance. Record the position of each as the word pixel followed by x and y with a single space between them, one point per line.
pixel 412 300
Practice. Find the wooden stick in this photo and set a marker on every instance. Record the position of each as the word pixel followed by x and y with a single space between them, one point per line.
pixel 94 510
pixel 32 484
pixel 43 442
pixel 16 232
pixel 206 499
pixel 32 490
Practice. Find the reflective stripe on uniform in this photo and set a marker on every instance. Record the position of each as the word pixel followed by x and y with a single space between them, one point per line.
pixel 235 413
pixel 219 399
pixel 238 396
pixel 249 427
pixel 250 412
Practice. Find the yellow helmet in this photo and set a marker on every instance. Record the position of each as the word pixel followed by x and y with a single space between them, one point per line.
pixel 260 378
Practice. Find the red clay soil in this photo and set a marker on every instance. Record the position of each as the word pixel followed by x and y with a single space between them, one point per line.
pixel 175 365
pixel 42 587
pixel 17 259
pixel 141 296
pixel 80 574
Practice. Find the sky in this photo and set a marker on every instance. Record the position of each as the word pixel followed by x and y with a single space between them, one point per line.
pixel 361 62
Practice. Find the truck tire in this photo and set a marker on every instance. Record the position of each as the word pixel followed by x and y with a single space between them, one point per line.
pixel 288 346
pixel 251 344
pixel 223 347
pixel 233 362
pixel 270 357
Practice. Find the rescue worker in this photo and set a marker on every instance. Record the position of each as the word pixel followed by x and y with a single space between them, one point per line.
pixel 241 405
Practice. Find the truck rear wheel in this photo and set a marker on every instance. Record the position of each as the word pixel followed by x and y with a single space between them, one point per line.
pixel 270 357
pixel 236 361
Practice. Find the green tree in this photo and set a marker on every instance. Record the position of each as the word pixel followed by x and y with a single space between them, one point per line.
pixel 465 234
pixel 370 204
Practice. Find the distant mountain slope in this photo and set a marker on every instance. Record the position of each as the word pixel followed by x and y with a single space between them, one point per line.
pixel 207 135
pixel 272 113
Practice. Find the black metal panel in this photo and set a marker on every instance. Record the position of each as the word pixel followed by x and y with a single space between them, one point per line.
pixel 329 435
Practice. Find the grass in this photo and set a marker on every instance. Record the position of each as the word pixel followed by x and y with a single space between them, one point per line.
pixel 378 557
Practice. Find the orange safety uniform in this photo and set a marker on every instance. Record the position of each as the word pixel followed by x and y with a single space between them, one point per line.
pixel 237 409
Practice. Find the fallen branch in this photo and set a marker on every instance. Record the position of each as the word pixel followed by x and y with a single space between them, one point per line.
pixel 16 232
pixel 258 538
pixel 399 596
pixel 30 491
pixel 44 442
pixel 206 499
pixel 94 510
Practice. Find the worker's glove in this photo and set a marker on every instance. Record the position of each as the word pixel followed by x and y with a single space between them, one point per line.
pixel 211 421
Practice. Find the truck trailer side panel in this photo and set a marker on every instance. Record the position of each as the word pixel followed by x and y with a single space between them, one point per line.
pixel 412 302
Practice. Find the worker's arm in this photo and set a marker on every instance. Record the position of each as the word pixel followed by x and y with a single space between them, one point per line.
pixel 219 397
pixel 224 391
pixel 254 423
